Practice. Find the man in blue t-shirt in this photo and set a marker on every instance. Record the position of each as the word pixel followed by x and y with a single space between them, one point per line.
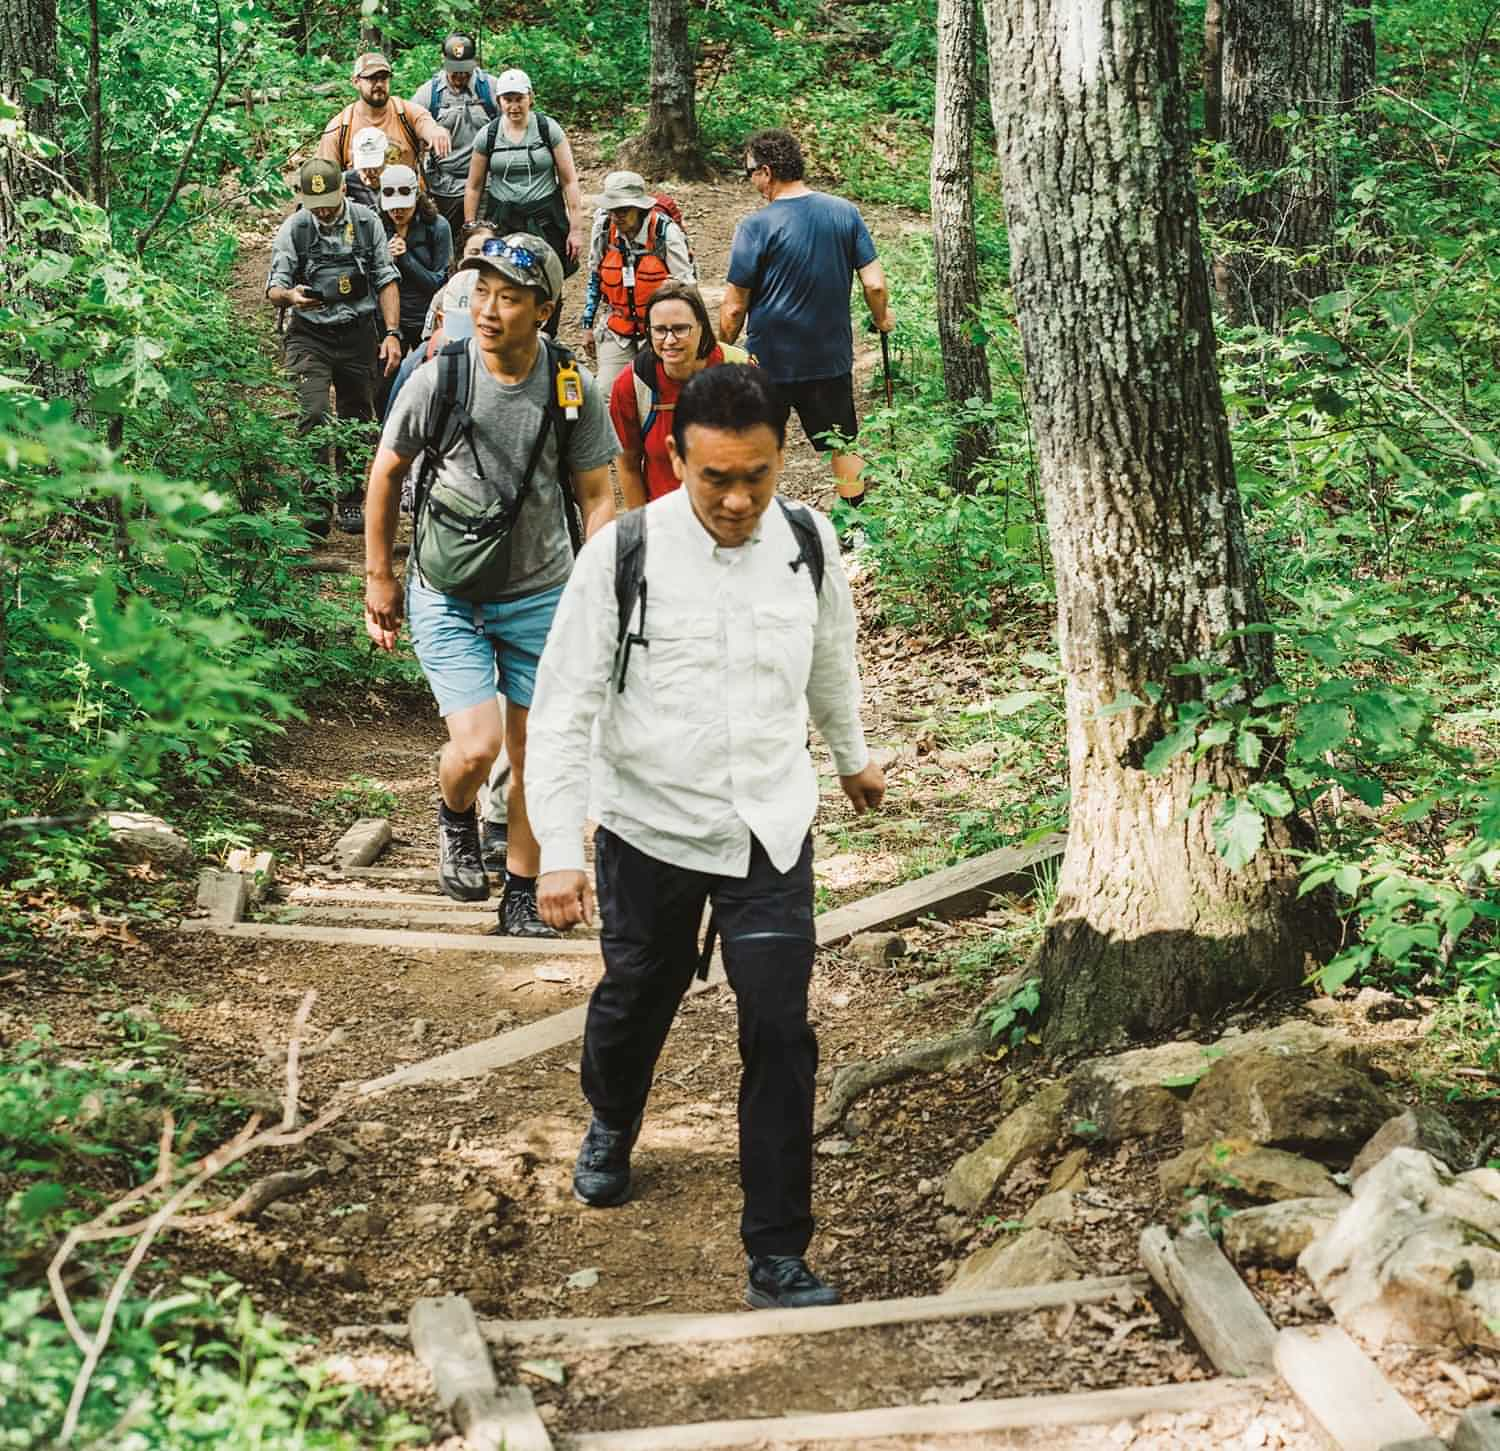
pixel 790 268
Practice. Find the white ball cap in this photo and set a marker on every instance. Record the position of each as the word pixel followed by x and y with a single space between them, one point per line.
pixel 369 148
pixel 398 187
pixel 512 80
pixel 457 320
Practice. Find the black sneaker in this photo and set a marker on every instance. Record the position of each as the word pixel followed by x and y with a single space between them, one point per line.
pixel 492 843
pixel 519 916
pixel 460 867
pixel 318 525
pixel 349 515
pixel 784 1282
pixel 601 1174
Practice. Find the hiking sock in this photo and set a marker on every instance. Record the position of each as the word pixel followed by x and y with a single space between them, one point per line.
pixel 515 883
pixel 852 501
pixel 456 817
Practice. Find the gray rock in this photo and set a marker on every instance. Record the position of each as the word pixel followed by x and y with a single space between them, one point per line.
pixel 140 837
pixel 223 895
pixel 1055 1208
pixel 363 842
pixel 1275 1234
pixel 1037 1257
pixel 434 1218
pixel 1031 1129
pixel 1289 1100
pixel 1127 1095
pixel 1239 1169
pixel 878 948
pixel 1070 1172
pixel 1418 1128
pixel 1415 1257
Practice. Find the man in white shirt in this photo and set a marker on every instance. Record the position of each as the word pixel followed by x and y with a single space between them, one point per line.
pixel 741 625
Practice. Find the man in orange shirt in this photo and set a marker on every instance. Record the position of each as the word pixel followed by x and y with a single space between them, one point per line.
pixel 409 126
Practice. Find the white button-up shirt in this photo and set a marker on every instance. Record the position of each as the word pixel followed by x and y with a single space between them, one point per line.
pixel 707 743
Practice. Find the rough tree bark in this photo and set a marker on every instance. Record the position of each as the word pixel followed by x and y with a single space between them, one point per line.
pixel 1213 70
pixel 1279 56
pixel 966 371
pixel 1359 67
pixel 28 49
pixel 1148 540
pixel 670 145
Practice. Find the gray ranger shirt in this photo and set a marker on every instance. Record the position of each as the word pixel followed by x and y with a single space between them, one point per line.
pixel 463 117
pixel 507 418
pixel 302 248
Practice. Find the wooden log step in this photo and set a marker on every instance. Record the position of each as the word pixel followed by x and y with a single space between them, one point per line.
pixel 475 1059
pixel 473 915
pixel 382 874
pixel 952 892
pixel 613 1332
pixel 375 897
pixel 406 941
pixel 972 1418
pixel 1343 1391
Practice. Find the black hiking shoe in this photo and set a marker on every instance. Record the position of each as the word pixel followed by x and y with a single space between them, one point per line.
pixel 601 1174
pixel 784 1282
pixel 460 867
pixel 519 916
pixel 349 515
pixel 492 842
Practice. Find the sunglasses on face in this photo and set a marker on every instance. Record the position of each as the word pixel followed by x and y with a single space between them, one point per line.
pixel 378 76
pixel 520 257
pixel 675 330
pixel 398 191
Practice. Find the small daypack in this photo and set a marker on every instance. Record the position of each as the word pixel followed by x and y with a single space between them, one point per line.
pixel 461 540
pixel 630 574
pixel 648 404
pixel 482 94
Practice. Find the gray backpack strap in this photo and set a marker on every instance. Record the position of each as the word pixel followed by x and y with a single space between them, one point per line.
pixel 809 542
pixel 630 587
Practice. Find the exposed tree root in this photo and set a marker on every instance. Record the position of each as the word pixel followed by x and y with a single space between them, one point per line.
pixel 267 1191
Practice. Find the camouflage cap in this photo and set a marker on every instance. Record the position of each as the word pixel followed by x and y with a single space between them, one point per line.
pixel 371 63
pixel 522 257
pixel 320 183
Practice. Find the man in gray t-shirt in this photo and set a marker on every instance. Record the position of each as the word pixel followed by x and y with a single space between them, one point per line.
pixel 508 376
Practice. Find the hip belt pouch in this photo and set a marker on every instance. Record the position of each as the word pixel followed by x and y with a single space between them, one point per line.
pixel 464 536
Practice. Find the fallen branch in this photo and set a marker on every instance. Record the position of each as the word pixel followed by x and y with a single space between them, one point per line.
pixel 166 1216
pixel 267 1191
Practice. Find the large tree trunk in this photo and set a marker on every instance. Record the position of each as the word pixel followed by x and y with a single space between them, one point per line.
pixel 1148 542
pixel 1213 70
pixel 1279 56
pixel 670 145
pixel 28 48
pixel 1359 70
pixel 966 372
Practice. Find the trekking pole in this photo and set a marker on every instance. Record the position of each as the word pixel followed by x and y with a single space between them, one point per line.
pixel 890 392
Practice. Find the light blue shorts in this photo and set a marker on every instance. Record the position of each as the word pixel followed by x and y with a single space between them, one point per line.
pixel 470 652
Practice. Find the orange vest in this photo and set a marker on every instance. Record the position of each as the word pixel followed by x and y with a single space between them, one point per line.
pixel 627 291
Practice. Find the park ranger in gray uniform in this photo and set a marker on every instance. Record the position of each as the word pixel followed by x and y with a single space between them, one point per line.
pixel 461 98
pixel 331 266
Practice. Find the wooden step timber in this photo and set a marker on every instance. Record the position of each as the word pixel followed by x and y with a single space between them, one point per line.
pixel 309 897
pixel 972 1418
pixel 460 914
pixel 1344 1392
pixel 405 941
pixel 613 1332
pixel 490 1054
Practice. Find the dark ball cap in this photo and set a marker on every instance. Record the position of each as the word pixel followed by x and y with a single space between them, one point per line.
pixel 460 53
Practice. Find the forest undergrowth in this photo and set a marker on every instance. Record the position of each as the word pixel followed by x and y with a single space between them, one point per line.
pixel 155 633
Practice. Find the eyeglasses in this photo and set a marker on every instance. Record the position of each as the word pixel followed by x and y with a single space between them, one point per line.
pixel 377 76
pixel 751 170
pixel 521 257
pixel 398 191
pixel 675 330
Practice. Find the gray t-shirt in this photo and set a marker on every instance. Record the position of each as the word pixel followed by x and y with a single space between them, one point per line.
pixel 507 418
pixel 522 173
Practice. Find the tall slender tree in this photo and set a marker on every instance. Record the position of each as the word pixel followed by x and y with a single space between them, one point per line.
pixel 1152 565
pixel 966 371
pixel 1359 65
pixel 1280 58
pixel 28 55
pixel 670 144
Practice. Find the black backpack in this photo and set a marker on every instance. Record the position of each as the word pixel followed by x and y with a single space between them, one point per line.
pixel 630 573
pixel 454 428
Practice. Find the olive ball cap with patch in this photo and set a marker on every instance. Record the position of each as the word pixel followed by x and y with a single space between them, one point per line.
pixel 320 183
pixel 540 270
pixel 460 54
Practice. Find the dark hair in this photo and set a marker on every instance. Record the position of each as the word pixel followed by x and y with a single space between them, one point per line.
pixel 470 229
pixel 675 291
pixel 424 207
pixel 779 150
pixel 733 399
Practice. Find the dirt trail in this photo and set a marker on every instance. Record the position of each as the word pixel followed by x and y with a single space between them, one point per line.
pixel 463 1188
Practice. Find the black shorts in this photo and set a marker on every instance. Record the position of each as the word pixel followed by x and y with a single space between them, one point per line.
pixel 821 404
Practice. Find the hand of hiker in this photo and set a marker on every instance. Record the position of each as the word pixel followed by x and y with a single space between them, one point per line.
pixel 590 346
pixel 565 899
pixel 383 609
pixel 575 244
pixel 441 144
pixel 886 324
pixel 305 297
pixel 390 355
pixel 397 246
pixel 865 789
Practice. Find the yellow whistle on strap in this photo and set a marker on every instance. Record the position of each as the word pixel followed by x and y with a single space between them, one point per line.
pixel 569 390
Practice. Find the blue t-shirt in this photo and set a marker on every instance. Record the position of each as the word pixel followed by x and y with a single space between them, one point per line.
pixel 796 258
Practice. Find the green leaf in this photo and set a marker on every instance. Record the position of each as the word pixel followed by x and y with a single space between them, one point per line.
pixel 1014 704
pixel 1322 726
pixel 1247 749
pixel 40 1200
pixel 1271 798
pixel 1239 829
pixel 1347 879
pixel 1173 744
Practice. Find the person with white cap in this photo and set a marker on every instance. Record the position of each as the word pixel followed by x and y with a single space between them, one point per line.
pixel 523 178
pixel 461 99
pixel 636 246
pixel 331 265
pixel 421 246
pixel 362 178
pixel 409 127
pixel 512 436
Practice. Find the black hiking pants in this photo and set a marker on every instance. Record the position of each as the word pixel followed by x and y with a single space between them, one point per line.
pixel 651 912
pixel 343 357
